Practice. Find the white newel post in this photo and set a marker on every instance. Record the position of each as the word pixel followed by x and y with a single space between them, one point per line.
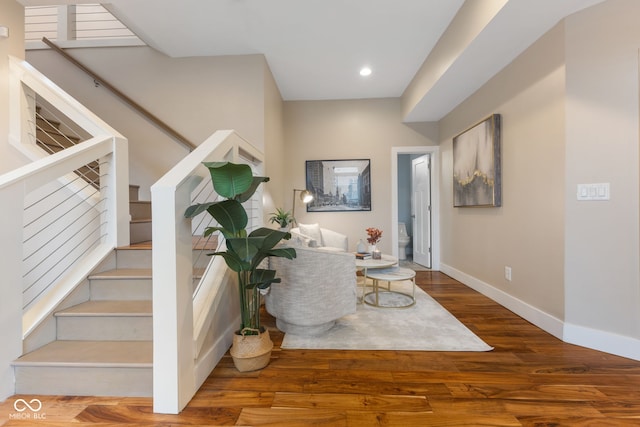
pixel 173 349
pixel 115 185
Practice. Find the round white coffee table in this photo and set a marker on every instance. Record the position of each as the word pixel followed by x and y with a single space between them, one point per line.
pixel 389 275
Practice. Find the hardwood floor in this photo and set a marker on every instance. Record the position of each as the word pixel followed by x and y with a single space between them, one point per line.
pixel 529 379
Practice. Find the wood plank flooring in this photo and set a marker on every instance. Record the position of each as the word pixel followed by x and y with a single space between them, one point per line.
pixel 529 379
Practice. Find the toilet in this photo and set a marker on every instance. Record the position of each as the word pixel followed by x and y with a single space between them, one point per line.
pixel 403 241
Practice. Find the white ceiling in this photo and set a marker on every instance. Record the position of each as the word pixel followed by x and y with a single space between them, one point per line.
pixel 315 48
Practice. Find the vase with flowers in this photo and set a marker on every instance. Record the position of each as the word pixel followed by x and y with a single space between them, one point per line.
pixel 374 236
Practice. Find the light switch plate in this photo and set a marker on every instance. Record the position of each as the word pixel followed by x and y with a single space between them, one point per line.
pixel 598 191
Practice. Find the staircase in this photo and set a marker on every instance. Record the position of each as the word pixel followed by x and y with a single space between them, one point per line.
pixel 103 346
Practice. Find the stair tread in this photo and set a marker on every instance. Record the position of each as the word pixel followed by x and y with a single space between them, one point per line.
pixel 109 308
pixel 123 273
pixel 146 245
pixel 91 354
pixel 198 243
pixel 140 220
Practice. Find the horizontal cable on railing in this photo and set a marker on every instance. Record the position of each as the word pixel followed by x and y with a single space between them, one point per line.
pixel 42 246
pixel 60 245
pixel 82 200
pixel 204 193
pixel 64 218
pixel 69 265
pixel 57 123
pixel 58 189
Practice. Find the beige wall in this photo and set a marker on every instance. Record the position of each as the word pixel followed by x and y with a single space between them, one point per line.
pixel 275 194
pixel 353 129
pixel 570 110
pixel 602 255
pixel 527 232
pixel 195 96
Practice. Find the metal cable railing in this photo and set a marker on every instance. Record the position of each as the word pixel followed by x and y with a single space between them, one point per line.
pixel 55 132
pixel 61 223
pixel 202 245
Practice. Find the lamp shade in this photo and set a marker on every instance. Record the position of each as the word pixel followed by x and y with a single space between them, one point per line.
pixel 305 197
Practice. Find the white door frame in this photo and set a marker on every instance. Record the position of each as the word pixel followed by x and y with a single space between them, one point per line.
pixel 435 198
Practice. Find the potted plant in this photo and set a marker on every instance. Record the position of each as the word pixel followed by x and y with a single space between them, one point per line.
pixel 282 218
pixel 244 254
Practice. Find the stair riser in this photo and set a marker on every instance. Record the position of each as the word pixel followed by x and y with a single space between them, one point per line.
pixel 140 210
pixel 134 191
pixel 105 328
pixel 143 258
pixel 134 259
pixel 140 232
pixel 122 289
pixel 84 381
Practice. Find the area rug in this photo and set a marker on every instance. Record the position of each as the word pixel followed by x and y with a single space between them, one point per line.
pixel 426 326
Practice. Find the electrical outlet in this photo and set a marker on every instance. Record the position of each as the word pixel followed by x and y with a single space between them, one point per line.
pixel 507 273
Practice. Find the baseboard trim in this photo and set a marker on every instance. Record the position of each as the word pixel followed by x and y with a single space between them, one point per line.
pixel 607 342
pixel 210 357
pixel 543 320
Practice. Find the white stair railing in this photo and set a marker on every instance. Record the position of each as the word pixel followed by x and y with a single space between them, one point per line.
pixel 55 227
pixel 191 331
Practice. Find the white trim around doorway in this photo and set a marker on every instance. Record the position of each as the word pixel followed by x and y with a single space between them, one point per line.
pixel 434 151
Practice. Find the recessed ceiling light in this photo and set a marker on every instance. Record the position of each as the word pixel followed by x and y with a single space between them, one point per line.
pixel 365 71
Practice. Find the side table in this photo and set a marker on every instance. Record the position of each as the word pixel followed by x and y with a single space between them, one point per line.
pixel 366 264
pixel 389 275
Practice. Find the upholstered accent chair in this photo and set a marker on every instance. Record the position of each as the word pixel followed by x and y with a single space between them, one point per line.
pixel 314 236
pixel 317 288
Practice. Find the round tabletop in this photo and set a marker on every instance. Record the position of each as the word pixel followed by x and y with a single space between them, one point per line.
pixel 385 262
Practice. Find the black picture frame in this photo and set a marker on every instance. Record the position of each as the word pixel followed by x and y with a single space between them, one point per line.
pixel 339 185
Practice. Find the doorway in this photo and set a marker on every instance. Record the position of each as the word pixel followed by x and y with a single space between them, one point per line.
pixel 424 227
pixel 421 209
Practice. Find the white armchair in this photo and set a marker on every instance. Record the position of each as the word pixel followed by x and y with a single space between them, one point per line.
pixel 317 237
pixel 317 288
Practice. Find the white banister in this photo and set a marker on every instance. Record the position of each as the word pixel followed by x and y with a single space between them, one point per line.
pixel 26 194
pixel 181 363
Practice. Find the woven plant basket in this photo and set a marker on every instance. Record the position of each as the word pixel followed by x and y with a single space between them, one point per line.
pixel 251 352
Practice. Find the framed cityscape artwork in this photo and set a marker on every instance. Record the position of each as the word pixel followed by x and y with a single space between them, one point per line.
pixel 339 185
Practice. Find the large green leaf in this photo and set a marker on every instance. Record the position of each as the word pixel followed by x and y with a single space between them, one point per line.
pixel 194 210
pixel 263 278
pixel 230 179
pixel 245 248
pixel 257 180
pixel 271 236
pixel 232 261
pixel 289 253
pixel 230 215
